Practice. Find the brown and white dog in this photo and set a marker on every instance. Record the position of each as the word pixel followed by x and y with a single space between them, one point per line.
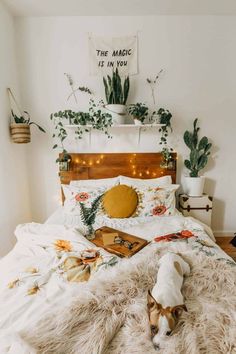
pixel 165 302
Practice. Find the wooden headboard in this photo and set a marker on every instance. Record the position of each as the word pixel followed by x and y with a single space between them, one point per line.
pixel 106 165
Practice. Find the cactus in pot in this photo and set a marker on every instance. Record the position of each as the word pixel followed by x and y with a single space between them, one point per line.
pixel 116 95
pixel 199 150
pixel 198 158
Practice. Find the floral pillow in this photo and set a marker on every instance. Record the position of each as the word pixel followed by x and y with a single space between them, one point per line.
pixel 157 201
pixel 74 196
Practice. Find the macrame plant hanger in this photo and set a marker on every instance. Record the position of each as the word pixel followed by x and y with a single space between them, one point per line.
pixel 20 132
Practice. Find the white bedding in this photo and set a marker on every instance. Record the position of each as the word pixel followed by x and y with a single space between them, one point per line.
pixel 35 250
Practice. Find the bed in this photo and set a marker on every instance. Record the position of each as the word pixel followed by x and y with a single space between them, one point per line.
pixel 53 300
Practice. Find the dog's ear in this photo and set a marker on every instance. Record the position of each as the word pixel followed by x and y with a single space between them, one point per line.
pixel 151 302
pixel 177 310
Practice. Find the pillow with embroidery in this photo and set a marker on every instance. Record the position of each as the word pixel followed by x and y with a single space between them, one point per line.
pixel 157 201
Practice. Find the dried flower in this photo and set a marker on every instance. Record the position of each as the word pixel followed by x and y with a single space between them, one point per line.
pixel 31 270
pixel 63 245
pixel 33 290
pixel 13 284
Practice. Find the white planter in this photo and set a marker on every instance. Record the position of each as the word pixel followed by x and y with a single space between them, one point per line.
pixel 194 186
pixel 118 112
pixel 137 122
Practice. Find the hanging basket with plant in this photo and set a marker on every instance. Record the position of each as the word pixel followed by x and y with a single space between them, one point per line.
pixel 20 125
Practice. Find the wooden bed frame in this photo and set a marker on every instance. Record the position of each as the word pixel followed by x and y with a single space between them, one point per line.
pixel 107 165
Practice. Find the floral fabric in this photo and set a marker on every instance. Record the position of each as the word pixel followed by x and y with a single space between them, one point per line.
pixel 157 201
pixel 76 195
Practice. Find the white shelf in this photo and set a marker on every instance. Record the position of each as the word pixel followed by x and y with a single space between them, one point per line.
pixel 71 126
pixel 136 127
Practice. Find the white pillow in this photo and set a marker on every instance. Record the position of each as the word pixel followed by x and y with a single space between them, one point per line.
pixel 157 201
pixel 152 182
pixel 105 182
pixel 83 194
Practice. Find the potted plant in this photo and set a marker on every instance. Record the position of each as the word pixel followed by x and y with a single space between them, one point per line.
pixel 20 128
pixel 116 96
pixel 139 111
pixel 20 125
pixel 83 121
pixel 198 158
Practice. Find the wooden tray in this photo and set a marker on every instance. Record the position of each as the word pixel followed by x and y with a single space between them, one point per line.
pixel 119 249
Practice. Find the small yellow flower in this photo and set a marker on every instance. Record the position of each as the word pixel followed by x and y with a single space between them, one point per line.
pixel 33 290
pixel 13 284
pixel 31 270
pixel 63 245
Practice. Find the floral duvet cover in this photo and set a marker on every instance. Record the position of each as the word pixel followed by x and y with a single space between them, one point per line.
pixel 52 263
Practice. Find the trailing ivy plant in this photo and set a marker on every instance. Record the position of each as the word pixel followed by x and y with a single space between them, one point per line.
pixel 96 118
pixel 164 118
pixel 114 91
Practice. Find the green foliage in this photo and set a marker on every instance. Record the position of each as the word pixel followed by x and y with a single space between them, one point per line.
pixel 138 111
pixel 88 215
pixel 114 92
pixel 95 118
pixel 25 120
pixel 164 118
pixel 199 150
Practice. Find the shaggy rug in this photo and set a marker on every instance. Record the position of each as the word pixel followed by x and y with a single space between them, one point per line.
pixel 109 316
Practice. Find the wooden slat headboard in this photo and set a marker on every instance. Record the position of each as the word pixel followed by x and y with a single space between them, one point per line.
pixel 106 165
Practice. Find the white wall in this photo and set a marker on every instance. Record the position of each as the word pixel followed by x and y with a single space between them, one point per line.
pixel 198 55
pixel 14 192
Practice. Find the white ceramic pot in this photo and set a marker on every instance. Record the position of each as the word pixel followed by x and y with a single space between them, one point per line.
pixel 118 112
pixel 137 122
pixel 194 186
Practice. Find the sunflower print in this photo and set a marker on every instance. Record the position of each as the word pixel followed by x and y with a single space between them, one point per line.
pixel 63 245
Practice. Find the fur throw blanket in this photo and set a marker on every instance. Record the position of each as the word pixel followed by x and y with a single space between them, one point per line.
pixel 109 316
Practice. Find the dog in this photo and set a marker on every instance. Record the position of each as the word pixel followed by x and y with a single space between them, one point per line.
pixel 165 303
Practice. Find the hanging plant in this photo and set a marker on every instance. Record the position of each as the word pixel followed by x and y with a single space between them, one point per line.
pixel 165 118
pixel 95 119
pixel 20 124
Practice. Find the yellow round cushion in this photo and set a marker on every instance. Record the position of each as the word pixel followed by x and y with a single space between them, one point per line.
pixel 120 201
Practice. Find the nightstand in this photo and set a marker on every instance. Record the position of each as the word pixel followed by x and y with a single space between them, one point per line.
pixel 223 242
pixel 198 207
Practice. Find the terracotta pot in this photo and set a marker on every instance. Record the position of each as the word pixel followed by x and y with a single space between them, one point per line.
pixel 20 133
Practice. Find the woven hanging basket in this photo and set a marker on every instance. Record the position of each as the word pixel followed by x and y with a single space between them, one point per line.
pixel 20 133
